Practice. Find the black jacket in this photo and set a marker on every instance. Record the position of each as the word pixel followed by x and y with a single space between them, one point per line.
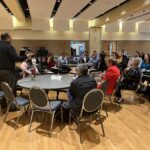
pixel 78 89
pixel 8 56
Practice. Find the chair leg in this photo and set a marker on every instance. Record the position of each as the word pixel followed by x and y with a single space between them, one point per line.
pixel 102 125
pixel 20 113
pixel 110 99
pixel 70 119
pixel 62 119
pixel 79 131
pixel 57 97
pixel 51 125
pixel 1 110
pixel 31 120
pixel 103 128
pixel 90 120
pixel 7 113
pixel 106 111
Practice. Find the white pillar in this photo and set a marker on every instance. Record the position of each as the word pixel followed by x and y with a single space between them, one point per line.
pixel 94 39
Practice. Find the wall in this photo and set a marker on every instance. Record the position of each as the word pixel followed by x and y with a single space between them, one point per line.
pixel 129 46
pixel 55 41
pixel 54 46
pixel 48 35
pixel 60 41
pixel 132 46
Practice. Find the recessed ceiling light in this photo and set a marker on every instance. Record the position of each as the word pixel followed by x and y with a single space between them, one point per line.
pixel 107 19
pixel 90 3
pixel 58 1
pixel 27 8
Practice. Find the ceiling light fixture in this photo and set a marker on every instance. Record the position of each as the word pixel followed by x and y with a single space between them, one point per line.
pixel 123 12
pixel 107 19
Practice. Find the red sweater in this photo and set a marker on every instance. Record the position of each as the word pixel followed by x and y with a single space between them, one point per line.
pixel 51 64
pixel 111 77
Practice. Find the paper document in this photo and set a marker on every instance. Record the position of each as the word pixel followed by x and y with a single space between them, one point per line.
pixel 54 77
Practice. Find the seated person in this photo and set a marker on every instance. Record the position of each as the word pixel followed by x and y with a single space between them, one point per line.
pixel 43 64
pixel 62 59
pixel 79 87
pixel 145 66
pixel 130 79
pixel 28 68
pixel 124 62
pixel 95 59
pixel 62 64
pixel 84 58
pixel 137 55
pixel 50 61
pixel 102 63
pixel 111 75
pixel 101 66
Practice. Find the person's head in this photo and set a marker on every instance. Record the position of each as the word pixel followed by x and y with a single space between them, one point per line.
pixel 135 62
pixel 111 62
pixel 85 53
pixel 123 52
pixel 137 54
pixel 94 54
pixel 50 57
pixel 82 69
pixel 130 63
pixel 63 54
pixel 29 62
pixel 101 57
pixel 146 58
pixel 6 37
pixel 43 59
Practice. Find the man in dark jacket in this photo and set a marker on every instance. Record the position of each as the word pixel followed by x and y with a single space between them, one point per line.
pixel 8 57
pixel 80 87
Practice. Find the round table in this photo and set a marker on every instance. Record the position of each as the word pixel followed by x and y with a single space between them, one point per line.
pixel 46 82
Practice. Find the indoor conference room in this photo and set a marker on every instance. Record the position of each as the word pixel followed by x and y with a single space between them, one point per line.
pixel 75 74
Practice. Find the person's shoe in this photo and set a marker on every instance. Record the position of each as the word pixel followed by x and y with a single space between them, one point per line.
pixel 119 100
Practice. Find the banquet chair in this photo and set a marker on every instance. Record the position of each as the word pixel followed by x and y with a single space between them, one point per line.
pixel 110 96
pixel 20 102
pixel 115 89
pixel 91 105
pixel 40 103
pixel 103 87
pixel 1 97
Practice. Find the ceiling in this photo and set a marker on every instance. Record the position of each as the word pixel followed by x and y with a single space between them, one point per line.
pixel 38 11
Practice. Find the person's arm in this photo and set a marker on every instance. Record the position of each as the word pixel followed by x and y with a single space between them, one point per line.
pixel 72 89
pixel 14 56
pixel 108 75
pixel 23 67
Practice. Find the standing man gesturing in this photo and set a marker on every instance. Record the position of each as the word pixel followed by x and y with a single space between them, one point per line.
pixel 8 57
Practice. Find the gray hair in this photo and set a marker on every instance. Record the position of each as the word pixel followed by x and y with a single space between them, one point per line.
pixel 82 68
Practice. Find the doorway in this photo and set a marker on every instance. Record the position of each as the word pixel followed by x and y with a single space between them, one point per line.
pixel 77 48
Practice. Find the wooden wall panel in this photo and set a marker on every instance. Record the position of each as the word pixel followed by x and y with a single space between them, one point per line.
pixel 54 46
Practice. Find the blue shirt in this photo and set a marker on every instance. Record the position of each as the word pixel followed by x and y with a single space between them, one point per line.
pixel 145 66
